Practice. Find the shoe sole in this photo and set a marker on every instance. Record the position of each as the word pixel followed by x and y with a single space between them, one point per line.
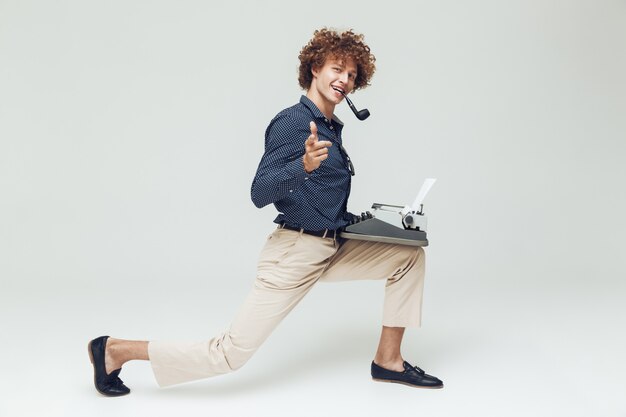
pixel 391 381
pixel 95 384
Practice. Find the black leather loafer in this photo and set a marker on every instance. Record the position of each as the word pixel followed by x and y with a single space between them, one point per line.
pixel 106 384
pixel 412 375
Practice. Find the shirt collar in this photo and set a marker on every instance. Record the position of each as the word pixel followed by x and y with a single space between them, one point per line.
pixel 317 113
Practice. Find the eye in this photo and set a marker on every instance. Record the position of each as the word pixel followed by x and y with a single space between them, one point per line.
pixel 336 69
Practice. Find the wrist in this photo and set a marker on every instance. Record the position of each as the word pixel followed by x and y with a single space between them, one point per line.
pixel 304 164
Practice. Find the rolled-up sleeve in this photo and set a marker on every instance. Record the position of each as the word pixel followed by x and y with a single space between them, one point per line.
pixel 281 169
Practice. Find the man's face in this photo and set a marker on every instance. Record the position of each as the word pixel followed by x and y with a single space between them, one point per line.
pixel 338 73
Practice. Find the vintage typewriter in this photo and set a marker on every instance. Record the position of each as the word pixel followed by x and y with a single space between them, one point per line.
pixel 407 228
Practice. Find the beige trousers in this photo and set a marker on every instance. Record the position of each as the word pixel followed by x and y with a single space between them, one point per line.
pixel 289 265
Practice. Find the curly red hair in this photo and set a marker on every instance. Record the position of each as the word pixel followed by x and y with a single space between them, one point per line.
pixel 327 43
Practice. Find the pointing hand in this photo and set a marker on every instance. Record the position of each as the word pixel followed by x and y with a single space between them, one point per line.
pixel 315 151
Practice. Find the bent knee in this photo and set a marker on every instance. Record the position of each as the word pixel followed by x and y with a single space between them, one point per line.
pixel 412 258
pixel 414 255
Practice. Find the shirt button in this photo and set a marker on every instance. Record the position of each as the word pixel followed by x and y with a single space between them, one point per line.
pixel 306 178
pixel 291 191
pixel 331 128
pixel 326 120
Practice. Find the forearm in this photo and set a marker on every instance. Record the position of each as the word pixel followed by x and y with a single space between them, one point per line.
pixel 272 185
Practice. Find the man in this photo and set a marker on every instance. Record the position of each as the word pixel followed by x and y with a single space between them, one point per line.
pixel 306 173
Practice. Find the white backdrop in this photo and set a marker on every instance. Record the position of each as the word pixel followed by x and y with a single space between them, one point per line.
pixel 130 132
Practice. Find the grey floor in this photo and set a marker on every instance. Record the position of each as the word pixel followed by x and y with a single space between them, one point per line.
pixel 501 349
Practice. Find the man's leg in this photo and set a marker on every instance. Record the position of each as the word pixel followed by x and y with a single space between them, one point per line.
pixel 120 351
pixel 175 362
pixel 403 267
pixel 289 265
pixel 388 354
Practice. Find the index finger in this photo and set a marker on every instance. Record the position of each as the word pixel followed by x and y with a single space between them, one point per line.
pixel 322 144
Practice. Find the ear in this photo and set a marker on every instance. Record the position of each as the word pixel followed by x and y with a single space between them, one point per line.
pixel 315 71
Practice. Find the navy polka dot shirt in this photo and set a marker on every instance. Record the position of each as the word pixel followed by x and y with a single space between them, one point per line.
pixel 314 201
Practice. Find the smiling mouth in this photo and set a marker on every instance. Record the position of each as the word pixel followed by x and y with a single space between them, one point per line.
pixel 343 93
